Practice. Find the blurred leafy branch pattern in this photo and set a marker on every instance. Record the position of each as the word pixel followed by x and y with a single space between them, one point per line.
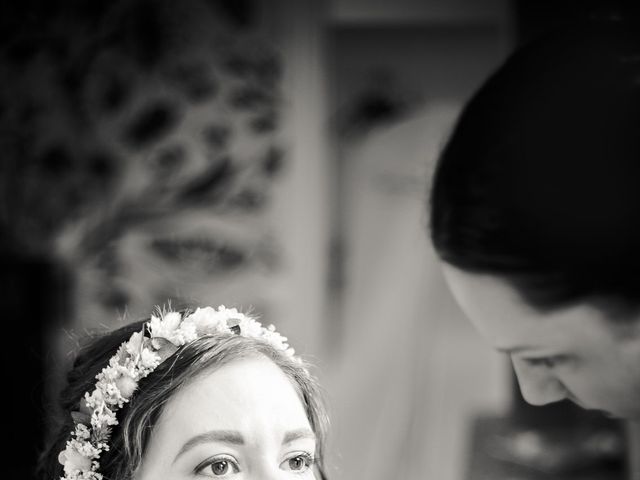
pixel 136 131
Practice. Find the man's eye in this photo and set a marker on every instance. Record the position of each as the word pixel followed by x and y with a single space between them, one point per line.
pixel 548 362
pixel 300 462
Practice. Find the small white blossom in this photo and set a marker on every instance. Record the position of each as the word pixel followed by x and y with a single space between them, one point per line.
pixel 249 327
pixel 126 385
pixel 170 328
pixel 94 398
pixel 134 345
pixel 207 321
pixel 73 461
pixel 149 360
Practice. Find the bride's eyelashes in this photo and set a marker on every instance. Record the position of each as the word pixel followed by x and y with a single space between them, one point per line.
pixel 219 466
pixel 298 462
pixel 222 466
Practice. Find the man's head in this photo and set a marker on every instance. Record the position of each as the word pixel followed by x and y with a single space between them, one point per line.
pixel 535 213
pixel 574 353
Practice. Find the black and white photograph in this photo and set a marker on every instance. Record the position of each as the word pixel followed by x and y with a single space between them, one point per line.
pixel 320 239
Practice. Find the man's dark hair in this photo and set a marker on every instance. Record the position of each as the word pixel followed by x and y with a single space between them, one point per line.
pixel 540 180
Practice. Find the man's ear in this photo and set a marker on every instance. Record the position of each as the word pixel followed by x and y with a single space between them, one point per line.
pixel 621 316
pixel 627 330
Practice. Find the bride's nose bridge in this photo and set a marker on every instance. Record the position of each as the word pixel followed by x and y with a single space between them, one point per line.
pixel 266 468
pixel 538 385
pixel 271 475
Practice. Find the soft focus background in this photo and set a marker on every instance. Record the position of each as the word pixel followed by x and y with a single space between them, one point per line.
pixel 274 156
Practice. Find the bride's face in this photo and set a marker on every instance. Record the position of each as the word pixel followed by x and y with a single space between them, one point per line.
pixel 242 421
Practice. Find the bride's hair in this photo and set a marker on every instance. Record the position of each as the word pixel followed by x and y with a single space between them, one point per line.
pixel 540 180
pixel 138 417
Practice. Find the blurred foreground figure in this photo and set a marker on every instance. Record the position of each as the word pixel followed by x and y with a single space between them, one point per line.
pixel 209 393
pixel 535 215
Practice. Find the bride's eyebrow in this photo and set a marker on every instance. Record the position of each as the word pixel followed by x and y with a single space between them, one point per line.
pixel 301 433
pixel 222 436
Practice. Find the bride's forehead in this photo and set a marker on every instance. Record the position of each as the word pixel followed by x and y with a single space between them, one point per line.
pixel 247 404
pixel 237 392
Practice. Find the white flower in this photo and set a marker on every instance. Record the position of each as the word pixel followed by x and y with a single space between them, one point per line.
pixel 110 392
pixel 82 432
pixel 188 332
pixel 149 360
pixel 171 327
pixel 94 398
pixel 276 340
pixel 103 418
pixel 73 461
pixel 207 320
pixel 126 385
pixel 249 327
pixel 164 327
pixel 134 345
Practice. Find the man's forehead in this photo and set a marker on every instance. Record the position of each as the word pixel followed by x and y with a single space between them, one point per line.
pixel 502 316
pixel 486 298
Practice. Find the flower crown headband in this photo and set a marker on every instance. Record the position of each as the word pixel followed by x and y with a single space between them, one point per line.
pixel 136 358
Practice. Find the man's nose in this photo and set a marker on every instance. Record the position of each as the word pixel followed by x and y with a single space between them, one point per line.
pixel 539 385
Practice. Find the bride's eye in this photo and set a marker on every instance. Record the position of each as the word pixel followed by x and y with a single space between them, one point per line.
pixel 299 462
pixel 218 467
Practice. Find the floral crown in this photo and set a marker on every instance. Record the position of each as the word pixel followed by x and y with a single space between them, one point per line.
pixel 136 358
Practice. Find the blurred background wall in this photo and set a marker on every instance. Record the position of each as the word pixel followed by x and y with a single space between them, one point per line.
pixel 410 372
pixel 273 155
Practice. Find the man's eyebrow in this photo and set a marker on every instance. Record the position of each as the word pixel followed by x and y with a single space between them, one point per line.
pixel 223 436
pixel 511 350
pixel 301 433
